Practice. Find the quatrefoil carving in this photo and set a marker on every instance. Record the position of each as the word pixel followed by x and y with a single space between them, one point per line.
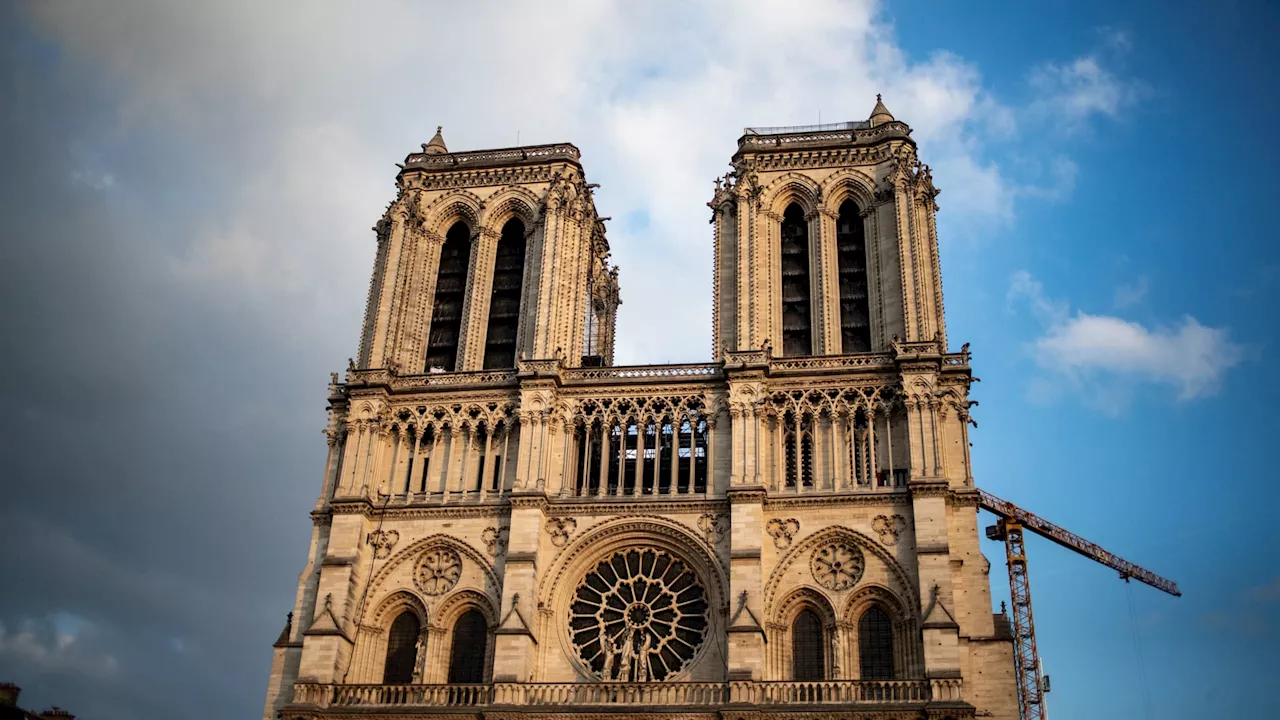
pixel 782 531
pixel 560 529
pixel 889 527
pixel 382 541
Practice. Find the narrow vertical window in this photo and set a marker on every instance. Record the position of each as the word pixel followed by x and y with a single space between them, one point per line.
pixel 402 649
pixel 796 337
pixel 808 652
pixel 504 301
pixel 851 259
pixel 446 312
pixel 875 645
pixel 470 643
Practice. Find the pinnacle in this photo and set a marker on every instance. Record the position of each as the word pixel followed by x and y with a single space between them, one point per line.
pixel 880 114
pixel 436 146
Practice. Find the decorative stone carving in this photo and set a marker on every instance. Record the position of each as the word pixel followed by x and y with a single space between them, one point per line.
pixel 713 526
pixel 438 570
pixel 495 540
pixel 889 526
pixel 382 542
pixel 639 616
pixel 782 531
pixel 560 529
pixel 837 566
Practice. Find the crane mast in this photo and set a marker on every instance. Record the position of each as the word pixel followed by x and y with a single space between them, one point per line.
pixel 1012 521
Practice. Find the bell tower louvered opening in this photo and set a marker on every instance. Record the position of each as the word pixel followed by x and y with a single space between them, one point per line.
pixel 504 302
pixel 797 338
pixel 446 312
pixel 851 259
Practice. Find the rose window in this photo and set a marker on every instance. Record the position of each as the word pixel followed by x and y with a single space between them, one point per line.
pixel 438 570
pixel 638 616
pixel 837 566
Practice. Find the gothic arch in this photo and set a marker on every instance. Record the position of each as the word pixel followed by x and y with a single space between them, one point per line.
pixel 410 552
pixel 395 602
pixel 451 609
pixel 793 187
pixel 460 601
pixel 511 201
pixel 906 642
pixel 804 596
pixel 451 207
pixel 610 535
pixel 802 549
pixel 874 594
pixel 847 184
pixel 780 662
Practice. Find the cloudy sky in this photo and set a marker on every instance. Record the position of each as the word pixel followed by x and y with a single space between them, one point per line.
pixel 186 200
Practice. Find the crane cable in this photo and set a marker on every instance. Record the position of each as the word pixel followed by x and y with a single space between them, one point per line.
pixel 1137 649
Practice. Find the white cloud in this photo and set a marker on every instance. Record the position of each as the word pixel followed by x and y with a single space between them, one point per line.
pixel 304 110
pixel 1104 355
pixel 1070 94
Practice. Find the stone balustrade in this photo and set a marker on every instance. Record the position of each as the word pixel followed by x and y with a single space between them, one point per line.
pixel 684 694
pixel 643 431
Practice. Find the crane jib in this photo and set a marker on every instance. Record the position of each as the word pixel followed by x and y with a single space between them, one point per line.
pixel 1071 541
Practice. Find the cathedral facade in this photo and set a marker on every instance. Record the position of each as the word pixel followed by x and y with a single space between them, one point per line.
pixel 511 525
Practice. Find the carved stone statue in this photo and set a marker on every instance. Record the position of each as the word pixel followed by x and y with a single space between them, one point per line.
pixel 642 662
pixel 628 656
pixel 420 656
pixel 606 647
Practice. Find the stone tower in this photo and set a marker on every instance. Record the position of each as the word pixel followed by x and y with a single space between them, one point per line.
pixel 510 524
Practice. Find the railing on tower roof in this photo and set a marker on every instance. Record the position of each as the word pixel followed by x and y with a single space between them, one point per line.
pixel 789 129
pixel 490 158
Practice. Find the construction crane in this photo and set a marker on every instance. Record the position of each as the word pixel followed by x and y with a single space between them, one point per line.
pixel 1013 520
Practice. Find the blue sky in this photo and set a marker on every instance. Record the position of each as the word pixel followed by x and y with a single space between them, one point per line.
pixel 186 205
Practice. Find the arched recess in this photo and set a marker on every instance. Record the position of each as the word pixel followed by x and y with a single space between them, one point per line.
pixel 905 648
pixel 796 287
pixel 851 270
pixel 404 639
pixel 466 607
pixel 792 202
pixel 561 661
pixel 881 569
pixel 789 658
pixel 452 271
pixel 506 291
pixel 849 196
pixel 373 640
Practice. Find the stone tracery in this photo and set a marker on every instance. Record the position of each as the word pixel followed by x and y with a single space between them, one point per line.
pixel 837 566
pixel 437 570
pixel 640 615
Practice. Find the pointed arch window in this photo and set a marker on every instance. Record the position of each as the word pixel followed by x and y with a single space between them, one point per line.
pixel 470 644
pixel 875 644
pixel 851 260
pixel 446 311
pixel 796 333
pixel 402 649
pixel 504 300
pixel 808 651
pixel 797 450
